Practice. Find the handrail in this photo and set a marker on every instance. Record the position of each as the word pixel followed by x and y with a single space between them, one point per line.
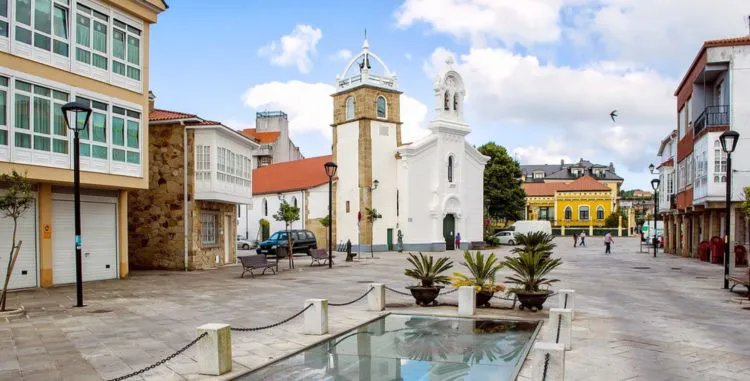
pixel 711 116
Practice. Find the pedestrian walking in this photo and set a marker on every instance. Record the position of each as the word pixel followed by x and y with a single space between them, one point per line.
pixel 608 241
pixel 458 241
pixel 583 239
pixel 575 239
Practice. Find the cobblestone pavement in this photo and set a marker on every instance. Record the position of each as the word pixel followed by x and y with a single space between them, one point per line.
pixel 637 318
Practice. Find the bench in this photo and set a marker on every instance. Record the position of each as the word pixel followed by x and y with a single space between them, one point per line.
pixel 740 279
pixel 478 245
pixel 255 262
pixel 319 256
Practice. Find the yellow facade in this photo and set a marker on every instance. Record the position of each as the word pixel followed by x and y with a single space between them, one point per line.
pixel 597 204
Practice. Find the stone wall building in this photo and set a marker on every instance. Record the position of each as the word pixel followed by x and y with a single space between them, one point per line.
pixel 198 168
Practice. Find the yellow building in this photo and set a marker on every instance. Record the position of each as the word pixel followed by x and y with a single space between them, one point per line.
pixel 95 52
pixel 583 202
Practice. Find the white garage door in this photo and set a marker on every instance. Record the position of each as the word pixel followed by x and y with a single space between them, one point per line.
pixel 25 270
pixel 98 235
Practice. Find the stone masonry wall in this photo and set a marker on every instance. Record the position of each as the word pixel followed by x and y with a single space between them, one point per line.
pixel 204 256
pixel 155 228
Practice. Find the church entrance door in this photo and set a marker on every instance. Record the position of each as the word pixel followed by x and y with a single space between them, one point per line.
pixel 449 231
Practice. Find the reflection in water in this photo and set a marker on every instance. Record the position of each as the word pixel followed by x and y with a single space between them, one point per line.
pixel 400 347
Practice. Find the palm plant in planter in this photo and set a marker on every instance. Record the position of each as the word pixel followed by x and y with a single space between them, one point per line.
pixel 483 270
pixel 530 266
pixel 428 272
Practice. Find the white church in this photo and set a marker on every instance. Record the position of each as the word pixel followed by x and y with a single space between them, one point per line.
pixel 427 191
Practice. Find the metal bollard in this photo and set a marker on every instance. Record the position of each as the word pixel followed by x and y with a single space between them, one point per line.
pixel 548 362
pixel 376 297
pixel 214 351
pixel 559 327
pixel 568 300
pixel 316 317
pixel 467 301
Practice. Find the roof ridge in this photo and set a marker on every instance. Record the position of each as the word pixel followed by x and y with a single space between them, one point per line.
pixel 172 111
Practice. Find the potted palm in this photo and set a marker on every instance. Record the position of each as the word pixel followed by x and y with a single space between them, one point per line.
pixel 428 272
pixel 483 270
pixel 530 266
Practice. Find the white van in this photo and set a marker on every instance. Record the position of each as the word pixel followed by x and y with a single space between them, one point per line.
pixel 529 226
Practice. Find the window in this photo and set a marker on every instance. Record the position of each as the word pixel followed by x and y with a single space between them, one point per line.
pixel 4 18
pixel 583 213
pixel 350 108
pixel 446 101
pixel 538 175
pixel 233 168
pixel 94 136
pixel 720 163
pixel 265 207
pixel 681 123
pixel 125 135
pixel 91 37
pixel 294 201
pixel 309 235
pixel 41 23
pixel 3 110
pixel 382 107
pixel 568 213
pixel 347 206
pixel 202 162
pixel 126 51
pixel 600 213
pixel 455 102
pixel 450 169
pixel 208 228
pixel 39 121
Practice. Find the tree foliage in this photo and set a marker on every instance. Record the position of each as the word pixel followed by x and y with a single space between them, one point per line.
pixel 15 200
pixel 613 220
pixel 502 183
pixel 372 215
pixel 287 214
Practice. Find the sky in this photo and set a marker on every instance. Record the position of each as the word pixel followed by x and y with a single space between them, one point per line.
pixel 541 75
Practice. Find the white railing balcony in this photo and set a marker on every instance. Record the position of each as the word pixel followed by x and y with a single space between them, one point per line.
pixel 365 78
pixel 209 188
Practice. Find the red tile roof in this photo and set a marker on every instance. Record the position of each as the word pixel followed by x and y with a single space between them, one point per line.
pixel 290 175
pixel 734 41
pixel 159 114
pixel 585 183
pixel 261 137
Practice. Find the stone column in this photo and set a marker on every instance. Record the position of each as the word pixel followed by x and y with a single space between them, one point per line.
pixel 559 326
pixel 548 362
pixel 214 351
pixel 376 297
pixel 467 301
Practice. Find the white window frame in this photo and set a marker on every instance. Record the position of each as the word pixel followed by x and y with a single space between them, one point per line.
pixel 385 107
pixel 209 228
pixel 581 208
pixel 720 163
pixel 6 20
pixel 130 31
pixel 30 49
pixel 5 125
pixel 94 15
pixel 33 135
pixel 350 107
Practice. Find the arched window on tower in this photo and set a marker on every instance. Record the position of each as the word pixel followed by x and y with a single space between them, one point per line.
pixel 455 102
pixel 382 107
pixel 294 201
pixel 447 101
pixel 450 169
pixel 349 108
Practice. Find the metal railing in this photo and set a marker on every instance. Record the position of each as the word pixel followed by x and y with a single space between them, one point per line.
pixel 710 117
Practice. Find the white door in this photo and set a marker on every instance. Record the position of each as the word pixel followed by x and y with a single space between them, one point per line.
pixel 25 270
pixel 98 236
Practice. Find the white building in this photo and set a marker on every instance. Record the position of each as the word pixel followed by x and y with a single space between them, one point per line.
pixel 272 133
pixel 429 190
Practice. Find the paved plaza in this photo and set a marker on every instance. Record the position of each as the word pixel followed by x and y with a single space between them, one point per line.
pixel 637 317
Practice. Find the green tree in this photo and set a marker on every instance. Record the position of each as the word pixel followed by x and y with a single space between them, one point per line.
pixel 502 184
pixel 372 216
pixel 613 220
pixel 16 200
pixel 288 214
pixel 326 222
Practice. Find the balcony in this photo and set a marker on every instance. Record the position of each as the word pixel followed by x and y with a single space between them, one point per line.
pixel 712 116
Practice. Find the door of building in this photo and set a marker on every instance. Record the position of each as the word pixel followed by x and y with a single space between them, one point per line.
pixel 390 239
pixel 25 269
pixel 449 229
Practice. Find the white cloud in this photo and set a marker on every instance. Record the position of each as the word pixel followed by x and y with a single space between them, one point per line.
pixel 343 54
pixel 573 105
pixel 294 49
pixel 310 107
pixel 552 152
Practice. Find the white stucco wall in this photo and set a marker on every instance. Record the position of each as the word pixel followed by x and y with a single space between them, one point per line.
pixel 419 196
pixel 472 192
pixel 318 202
pixel 383 137
pixel 347 188
pixel 256 213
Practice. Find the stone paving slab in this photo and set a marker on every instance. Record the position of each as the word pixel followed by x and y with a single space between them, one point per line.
pixel 637 318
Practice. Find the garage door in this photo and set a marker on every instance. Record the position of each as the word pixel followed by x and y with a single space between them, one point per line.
pixel 25 270
pixel 98 235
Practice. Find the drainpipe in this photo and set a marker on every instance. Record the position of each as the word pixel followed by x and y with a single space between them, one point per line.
pixel 185 190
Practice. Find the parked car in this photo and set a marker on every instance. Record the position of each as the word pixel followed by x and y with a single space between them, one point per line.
pixel 246 244
pixel 530 226
pixel 506 237
pixel 302 240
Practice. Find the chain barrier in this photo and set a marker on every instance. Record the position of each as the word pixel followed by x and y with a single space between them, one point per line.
pixel 546 366
pixel 353 301
pixel 397 291
pixel 162 361
pixel 252 329
pixel 559 324
pixel 448 292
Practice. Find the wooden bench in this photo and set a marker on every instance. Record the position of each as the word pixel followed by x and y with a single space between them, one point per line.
pixel 255 262
pixel 319 256
pixel 740 279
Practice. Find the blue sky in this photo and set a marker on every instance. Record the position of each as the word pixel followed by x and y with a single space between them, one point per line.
pixel 542 75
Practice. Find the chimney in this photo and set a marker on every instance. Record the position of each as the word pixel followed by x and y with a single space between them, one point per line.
pixel 562 163
pixel 151 101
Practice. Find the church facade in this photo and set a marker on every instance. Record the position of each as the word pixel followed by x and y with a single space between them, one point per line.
pixel 425 192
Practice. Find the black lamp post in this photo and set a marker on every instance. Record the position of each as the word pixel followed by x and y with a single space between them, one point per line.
pixel 73 112
pixel 331 168
pixel 728 144
pixel 655 186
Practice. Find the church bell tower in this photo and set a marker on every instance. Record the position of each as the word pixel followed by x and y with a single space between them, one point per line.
pixel 366 132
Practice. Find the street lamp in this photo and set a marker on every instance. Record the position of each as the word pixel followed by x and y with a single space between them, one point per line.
pixel 651 168
pixel 331 168
pixel 77 118
pixel 655 186
pixel 728 144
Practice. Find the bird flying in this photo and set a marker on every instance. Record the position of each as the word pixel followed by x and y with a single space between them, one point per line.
pixel 613 115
